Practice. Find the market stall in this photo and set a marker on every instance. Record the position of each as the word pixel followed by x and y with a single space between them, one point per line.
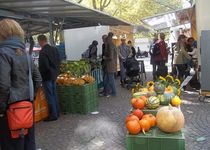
pixel 77 95
pixel 156 119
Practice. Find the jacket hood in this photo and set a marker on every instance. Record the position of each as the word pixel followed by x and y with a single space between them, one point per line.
pixel 13 43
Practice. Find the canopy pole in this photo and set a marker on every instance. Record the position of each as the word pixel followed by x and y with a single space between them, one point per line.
pixel 51 38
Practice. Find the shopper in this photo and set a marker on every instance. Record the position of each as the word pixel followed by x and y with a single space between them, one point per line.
pixel 49 68
pixel 14 82
pixel 124 53
pixel 181 57
pixel 152 61
pixel 133 51
pixel 93 50
pixel 110 58
pixel 161 57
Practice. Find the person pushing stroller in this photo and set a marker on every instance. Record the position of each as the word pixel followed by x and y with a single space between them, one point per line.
pixel 124 53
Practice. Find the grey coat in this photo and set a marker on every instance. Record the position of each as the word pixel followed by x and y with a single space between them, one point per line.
pixel 14 78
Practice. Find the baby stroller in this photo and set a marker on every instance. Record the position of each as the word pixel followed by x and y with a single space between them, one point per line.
pixel 132 72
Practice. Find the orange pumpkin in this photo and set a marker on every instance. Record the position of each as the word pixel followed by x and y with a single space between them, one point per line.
pixel 151 118
pixel 133 127
pixel 139 113
pixel 145 125
pixel 139 104
pixel 133 100
pixel 144 98
pixel 131 117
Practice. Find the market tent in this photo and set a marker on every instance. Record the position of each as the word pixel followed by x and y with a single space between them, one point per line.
pixel 36 15
pixel 169 19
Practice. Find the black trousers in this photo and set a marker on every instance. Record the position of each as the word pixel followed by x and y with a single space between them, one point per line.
pixel 181 70
pixel 7 143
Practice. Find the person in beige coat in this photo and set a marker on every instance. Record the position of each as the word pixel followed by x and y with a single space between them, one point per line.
pixel 181 57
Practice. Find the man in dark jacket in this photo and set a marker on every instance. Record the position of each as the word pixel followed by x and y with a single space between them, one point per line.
pixel 49 68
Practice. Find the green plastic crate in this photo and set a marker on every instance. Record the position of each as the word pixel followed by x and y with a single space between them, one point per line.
pixel 156 140
pixel 78 99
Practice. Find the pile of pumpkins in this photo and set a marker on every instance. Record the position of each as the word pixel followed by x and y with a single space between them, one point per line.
pixel 169 117
pixel 67 79
pixel 159 93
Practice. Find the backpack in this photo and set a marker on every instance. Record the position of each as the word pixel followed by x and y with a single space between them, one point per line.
pixel 155 49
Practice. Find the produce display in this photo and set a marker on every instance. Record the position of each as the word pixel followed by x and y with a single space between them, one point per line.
pixel 75 73
pixel 161 96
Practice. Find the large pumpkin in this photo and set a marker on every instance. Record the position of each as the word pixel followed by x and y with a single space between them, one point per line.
pixel 170 119
pixel 159 88
pixel 153 102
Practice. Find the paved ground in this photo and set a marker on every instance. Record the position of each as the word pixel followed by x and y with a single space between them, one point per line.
pixel 106 130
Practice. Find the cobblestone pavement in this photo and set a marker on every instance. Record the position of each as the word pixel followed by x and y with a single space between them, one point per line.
pixel 106 130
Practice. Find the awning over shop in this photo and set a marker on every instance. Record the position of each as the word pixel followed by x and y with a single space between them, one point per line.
pixel 35 15
pixel 169 19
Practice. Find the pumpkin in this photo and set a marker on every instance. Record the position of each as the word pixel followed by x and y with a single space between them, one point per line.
pixel 151 118
pixel 161 97
pixel 133 127
pixel 153 102
pixel 133 100
pixel 131 117
pixel 167 98
pixel 138 113
pixel 175 90
pixel 138 104
pixel 159 88
pixel 170 119
pixel 176 101
pixel 139 94
pixel 144 98
pixel 145 125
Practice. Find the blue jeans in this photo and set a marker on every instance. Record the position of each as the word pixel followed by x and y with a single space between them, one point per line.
pixel 122 71
pixel 51 96
pixel 109 84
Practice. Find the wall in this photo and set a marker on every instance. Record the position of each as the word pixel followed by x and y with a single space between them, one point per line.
pixel 202 18
pixel 78 40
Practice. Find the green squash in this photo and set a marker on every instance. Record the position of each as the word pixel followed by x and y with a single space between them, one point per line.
pixel 175 90
pixel 159 88
pixel 167 98
pixel 153 102
pixel 162 99
pixel 139 94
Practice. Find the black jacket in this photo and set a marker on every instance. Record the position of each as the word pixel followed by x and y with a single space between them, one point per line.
pixel 14 73
pixel 49 63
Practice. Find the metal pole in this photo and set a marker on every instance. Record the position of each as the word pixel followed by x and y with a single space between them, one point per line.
pixel 51 38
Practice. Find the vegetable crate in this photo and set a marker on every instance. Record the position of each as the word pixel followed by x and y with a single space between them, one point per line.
pixel 78 99
pixel 156 140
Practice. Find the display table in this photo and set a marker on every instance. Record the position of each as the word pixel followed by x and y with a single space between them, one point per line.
pixel 156 140
pixel 78 99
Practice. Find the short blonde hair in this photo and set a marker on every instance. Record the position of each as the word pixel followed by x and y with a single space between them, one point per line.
pixel 10 28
